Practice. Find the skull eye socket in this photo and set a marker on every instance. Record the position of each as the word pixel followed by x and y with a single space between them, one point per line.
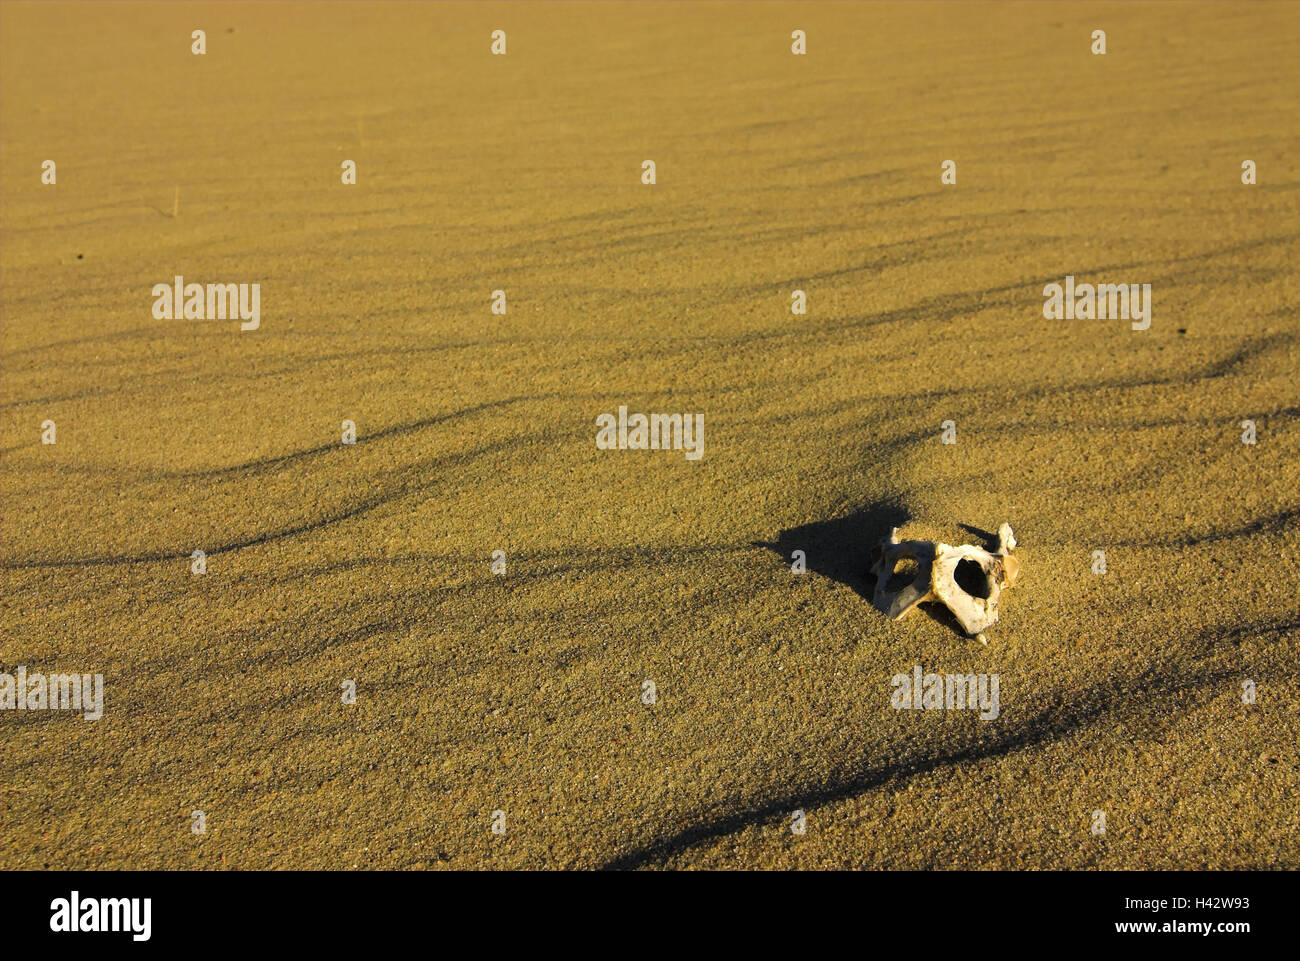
pixel 904 573
pixel 970 578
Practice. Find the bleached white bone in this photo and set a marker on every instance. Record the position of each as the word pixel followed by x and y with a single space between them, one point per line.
pixel 935 578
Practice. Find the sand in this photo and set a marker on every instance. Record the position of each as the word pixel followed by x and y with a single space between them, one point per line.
pixel 523 693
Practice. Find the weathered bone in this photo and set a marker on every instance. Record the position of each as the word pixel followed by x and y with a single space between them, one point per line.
pixel 935 581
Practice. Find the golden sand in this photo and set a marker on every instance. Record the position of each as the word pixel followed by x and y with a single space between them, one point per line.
pixel 522 693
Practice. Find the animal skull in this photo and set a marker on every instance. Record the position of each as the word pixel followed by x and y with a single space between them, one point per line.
pixel 935 578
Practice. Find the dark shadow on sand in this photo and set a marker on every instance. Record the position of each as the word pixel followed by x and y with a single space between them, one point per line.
pixel 842 548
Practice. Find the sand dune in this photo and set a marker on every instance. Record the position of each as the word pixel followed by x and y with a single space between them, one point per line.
pixel 522 693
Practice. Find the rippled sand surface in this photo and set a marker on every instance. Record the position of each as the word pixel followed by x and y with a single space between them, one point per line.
pixel 523 693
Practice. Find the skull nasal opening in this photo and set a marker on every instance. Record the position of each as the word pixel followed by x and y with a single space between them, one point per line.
pixel 970 578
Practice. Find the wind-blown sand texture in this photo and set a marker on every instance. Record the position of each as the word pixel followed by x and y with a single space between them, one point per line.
pixel 1120 692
